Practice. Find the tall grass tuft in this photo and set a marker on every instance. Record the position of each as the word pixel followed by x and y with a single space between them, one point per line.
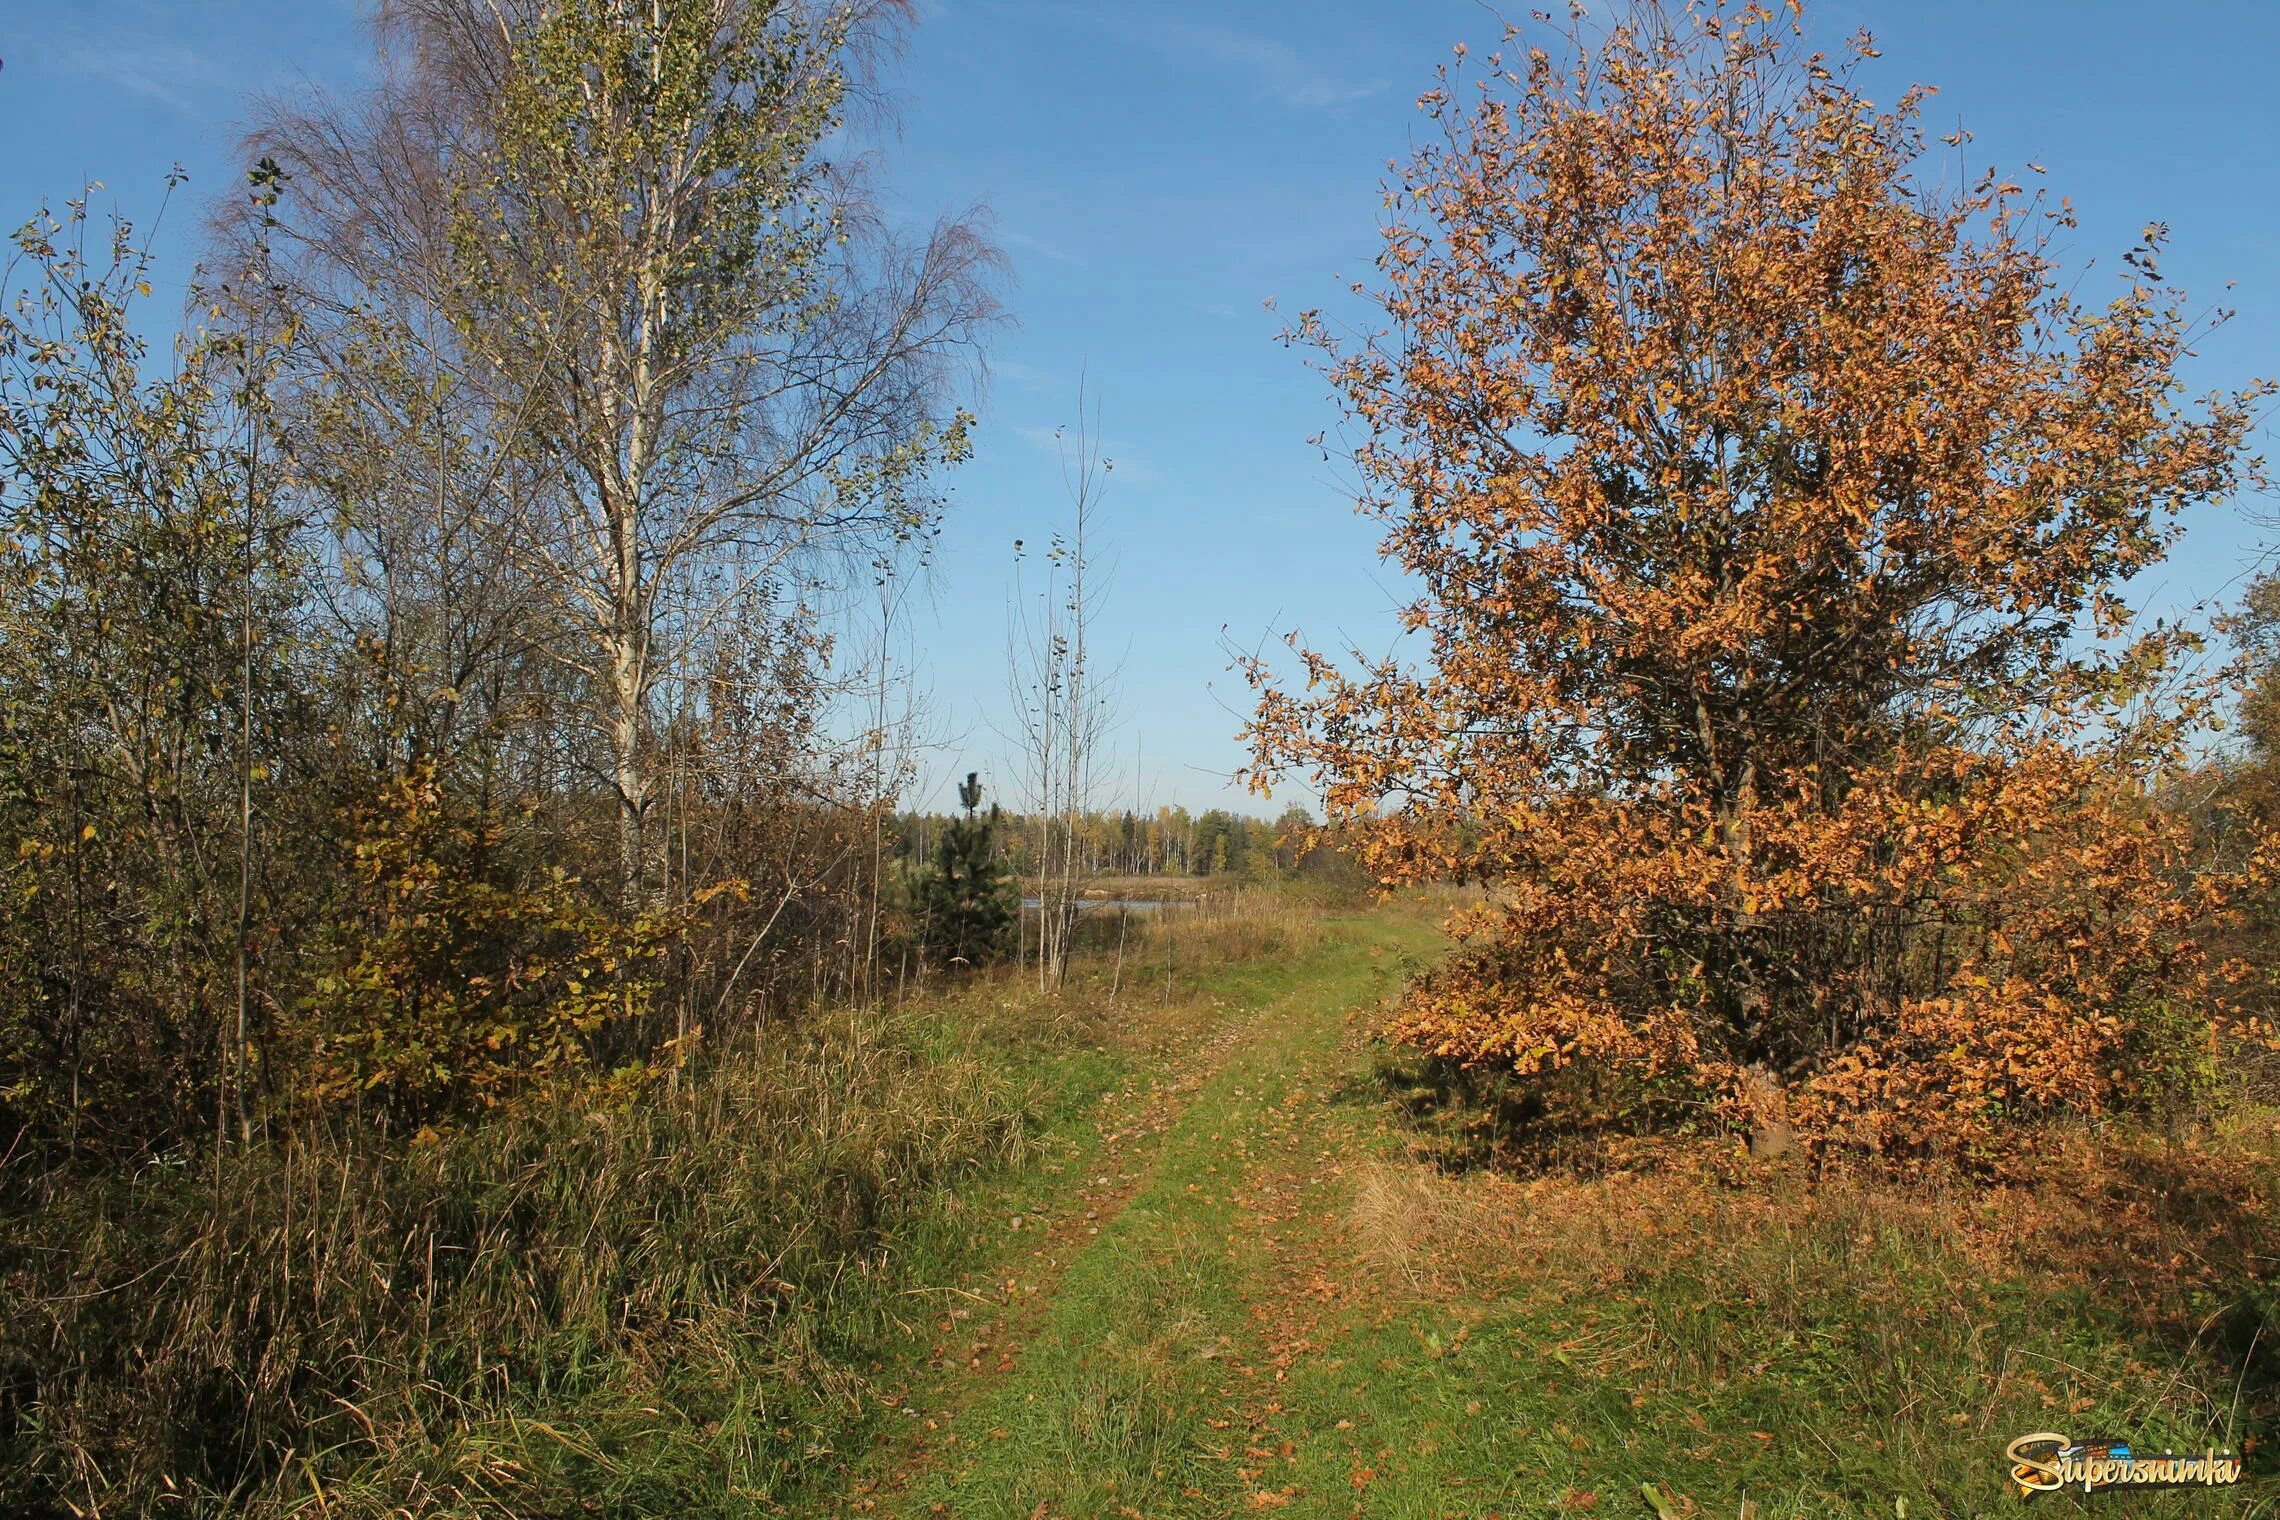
pixel 659 1308
pixel 675 1301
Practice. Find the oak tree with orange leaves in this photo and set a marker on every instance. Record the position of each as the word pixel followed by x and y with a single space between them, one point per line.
pixel 1768 504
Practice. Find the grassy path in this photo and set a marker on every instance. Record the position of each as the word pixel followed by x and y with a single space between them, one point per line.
pixel 1118 1365
pixel 1233 1293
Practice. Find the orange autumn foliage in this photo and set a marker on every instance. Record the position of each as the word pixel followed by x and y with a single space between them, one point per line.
pixel 1767 508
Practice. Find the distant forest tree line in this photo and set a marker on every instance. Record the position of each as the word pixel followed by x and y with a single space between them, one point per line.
pixel 1171 841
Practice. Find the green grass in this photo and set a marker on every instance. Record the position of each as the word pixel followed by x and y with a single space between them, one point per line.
pixel 1298 1313
pixel 1830 1363
pixel 695 1303
pixel 1182 1253
pixel 1131 1392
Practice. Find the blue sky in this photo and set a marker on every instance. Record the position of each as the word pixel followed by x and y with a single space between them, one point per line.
pixel 1156 172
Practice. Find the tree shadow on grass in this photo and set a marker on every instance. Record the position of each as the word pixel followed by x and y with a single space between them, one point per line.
pixel 1464 1119
pixel 2140 1249
pixel 2182 1238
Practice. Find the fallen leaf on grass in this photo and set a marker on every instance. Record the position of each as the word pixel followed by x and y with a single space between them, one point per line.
pixel 1664 1509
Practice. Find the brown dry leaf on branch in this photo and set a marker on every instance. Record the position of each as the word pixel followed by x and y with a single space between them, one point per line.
pixel 1760 493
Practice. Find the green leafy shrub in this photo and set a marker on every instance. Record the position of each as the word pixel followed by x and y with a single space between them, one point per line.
pixel 453 983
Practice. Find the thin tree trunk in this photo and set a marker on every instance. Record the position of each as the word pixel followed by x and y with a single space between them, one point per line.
pixel 629 773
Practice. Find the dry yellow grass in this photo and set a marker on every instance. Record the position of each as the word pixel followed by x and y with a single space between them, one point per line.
pixel 2129 1275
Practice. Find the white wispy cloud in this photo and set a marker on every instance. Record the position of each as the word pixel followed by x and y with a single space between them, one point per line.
pixel 1280 68
pixel 170 70
pixel 1028 376
pixel 1040 247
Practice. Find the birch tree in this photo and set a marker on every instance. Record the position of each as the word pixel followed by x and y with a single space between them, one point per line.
pixel 1062 701
pixel 611 232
